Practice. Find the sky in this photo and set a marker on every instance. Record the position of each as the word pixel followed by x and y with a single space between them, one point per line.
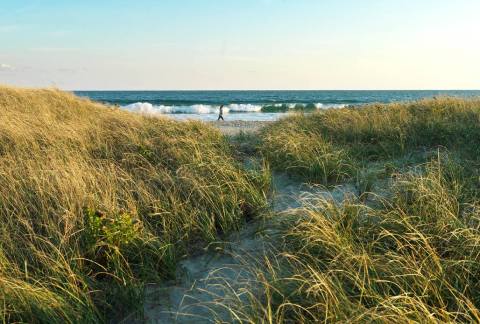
pixel 240 44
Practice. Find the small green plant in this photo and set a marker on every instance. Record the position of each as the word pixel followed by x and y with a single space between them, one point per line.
pixel 146 152
pixel 365 182
pixel 118 230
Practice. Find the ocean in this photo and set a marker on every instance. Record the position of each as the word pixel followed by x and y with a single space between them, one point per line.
pixel 253 105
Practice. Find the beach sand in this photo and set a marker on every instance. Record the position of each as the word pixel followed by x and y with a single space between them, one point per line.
pixel 232 128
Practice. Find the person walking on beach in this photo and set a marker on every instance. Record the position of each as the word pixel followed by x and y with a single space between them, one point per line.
pixel 220 114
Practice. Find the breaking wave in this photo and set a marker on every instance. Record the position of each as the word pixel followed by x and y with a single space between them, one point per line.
pixel 149 109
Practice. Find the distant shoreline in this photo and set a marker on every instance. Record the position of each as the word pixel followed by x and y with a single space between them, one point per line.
pixel 253 105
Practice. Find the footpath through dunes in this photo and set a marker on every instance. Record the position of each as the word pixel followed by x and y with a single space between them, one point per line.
pixel 397 241
pixel 228 273
pixel 222 283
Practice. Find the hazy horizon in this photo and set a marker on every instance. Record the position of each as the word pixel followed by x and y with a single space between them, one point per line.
pixel 253 45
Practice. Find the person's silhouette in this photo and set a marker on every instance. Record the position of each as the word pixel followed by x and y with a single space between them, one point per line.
pixel 220 113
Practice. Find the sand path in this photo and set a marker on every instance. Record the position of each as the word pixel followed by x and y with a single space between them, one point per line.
pixel 235 127
pixel 224 273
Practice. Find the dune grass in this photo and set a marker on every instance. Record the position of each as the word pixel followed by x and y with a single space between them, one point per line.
pixel 331 146
pixel 410 252
pixel 94 202
pixel 414 256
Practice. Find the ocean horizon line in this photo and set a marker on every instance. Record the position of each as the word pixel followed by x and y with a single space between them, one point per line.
pixel 264 90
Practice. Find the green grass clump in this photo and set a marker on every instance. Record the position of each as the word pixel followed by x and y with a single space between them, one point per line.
pixel 329 145
pixel 310 156
pixel 95 201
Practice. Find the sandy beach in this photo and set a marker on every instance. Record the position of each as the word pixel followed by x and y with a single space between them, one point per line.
pixel 237 126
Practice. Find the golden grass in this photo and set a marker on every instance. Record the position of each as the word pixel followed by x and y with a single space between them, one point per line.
pixel 95 201
pixel 407 252
pixel 413 258
pixel 329 146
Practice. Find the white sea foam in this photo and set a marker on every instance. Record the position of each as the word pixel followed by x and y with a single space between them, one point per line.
pixel 244 108
pixel 149 109
pixel 329 106
pixel 143 108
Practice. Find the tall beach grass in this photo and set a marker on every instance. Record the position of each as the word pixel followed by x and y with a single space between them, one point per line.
pixel 330 146
pixel 409 253
pixel 94 202
pixel 415 257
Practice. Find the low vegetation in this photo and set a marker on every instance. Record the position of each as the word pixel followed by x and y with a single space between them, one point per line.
pixel 412 257
pixel 333 145
pixel 94 202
